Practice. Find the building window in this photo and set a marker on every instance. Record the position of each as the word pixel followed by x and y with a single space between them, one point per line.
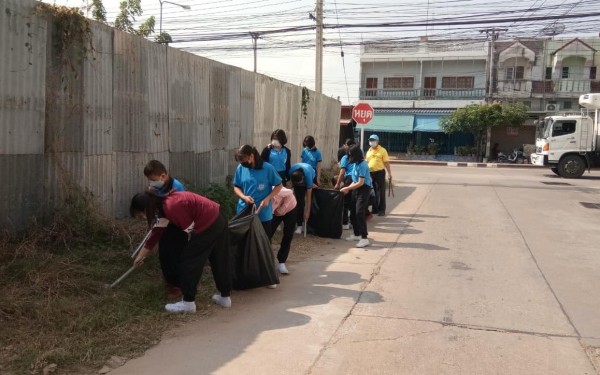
pixel 593 72
pixel 549 72
pixel 567 105
pixel 398 83
pixel 517 72
pixel 458 82
pixel 511 130
pixel 565 72
pixel 371 89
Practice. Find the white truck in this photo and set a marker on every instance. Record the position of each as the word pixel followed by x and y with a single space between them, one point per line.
pixel 570 142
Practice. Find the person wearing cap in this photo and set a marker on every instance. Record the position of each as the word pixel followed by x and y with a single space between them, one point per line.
pixel 379 162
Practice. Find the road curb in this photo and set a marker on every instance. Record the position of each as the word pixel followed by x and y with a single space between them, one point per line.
pixel 464 164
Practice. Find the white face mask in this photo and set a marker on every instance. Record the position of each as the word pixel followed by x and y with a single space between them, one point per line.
pixel 158 184
pixel 275 143
pixel 373 143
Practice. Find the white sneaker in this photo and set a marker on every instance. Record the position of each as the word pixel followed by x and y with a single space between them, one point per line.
pixel 181 307
pixel 364 242
pixel 298 229
pixel 223 301
pixel 353 238
pixel 283 269
pixel 346 226
pixel 272 286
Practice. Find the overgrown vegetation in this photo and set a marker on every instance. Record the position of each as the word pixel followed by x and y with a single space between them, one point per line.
pixel 56 305
pixel 305 101
pixel 73 34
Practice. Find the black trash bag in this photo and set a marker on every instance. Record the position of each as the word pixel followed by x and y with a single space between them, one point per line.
pixel 239 225
pixel 254 265
pixel 326 213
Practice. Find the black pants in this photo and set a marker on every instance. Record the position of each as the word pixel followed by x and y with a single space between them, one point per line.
pixel 212 245
pixel 378 178
pixel 170 247
pixel 300 194
pixel 358 208
pixel 289 224
pixel 347 201
pixel 267 226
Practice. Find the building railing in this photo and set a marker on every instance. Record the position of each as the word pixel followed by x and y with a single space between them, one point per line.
pixel 558 87
pixel 426 94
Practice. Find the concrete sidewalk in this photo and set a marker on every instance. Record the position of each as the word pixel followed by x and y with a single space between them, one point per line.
pixel 451 285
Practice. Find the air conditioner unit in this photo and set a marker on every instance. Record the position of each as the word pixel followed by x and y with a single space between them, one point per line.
pixel 553 107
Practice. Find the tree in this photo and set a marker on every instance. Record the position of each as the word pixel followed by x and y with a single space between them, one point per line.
pixel 163 37
pixel 146 28
pixel 477 118
pixel 98 11
pixel 129 10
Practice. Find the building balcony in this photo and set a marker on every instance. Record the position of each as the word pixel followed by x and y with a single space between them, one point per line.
pixel 422 94
pixel 564 88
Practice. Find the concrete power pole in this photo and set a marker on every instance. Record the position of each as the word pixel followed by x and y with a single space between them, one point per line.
pixel 493 33
pixel 255 37
pixel 319 43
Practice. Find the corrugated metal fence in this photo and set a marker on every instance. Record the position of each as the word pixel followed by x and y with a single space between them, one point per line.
pixel 95 122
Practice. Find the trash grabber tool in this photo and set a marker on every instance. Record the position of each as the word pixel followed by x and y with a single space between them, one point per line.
pixel 304 228
pixel 118 281
pixel 135 253
pixel 390 188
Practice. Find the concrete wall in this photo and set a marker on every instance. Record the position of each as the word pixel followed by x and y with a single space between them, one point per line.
pixel 94 122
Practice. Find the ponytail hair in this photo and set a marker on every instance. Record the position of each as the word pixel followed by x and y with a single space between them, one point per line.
pixel 245 151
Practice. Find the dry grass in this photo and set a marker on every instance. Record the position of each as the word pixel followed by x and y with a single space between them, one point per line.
pixel 56 307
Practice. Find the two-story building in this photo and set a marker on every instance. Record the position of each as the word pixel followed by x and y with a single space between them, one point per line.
pixel 411 85
pixel 547 75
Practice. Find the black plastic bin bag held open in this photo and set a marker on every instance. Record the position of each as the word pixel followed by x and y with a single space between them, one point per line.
pixel 326 213
pixel 254 265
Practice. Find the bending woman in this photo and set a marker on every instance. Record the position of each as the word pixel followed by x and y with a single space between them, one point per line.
pixel 207 231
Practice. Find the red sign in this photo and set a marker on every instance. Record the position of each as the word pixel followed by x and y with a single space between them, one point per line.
pixel 362 113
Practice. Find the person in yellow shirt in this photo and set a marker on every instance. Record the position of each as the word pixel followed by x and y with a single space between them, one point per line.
pixel 379 162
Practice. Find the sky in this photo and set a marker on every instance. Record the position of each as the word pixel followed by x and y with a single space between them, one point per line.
pixel 220 30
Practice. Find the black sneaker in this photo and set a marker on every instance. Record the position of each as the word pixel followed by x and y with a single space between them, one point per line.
pixel 381 213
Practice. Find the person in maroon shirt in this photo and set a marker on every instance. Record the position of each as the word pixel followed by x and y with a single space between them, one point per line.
pixel 206 227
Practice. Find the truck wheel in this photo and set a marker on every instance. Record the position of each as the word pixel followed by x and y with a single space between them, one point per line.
pixel 571 166
pixel 555 170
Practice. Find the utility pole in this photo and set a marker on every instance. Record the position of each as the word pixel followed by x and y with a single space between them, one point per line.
pixel 255 37
pixel 493 34
pixel 319 44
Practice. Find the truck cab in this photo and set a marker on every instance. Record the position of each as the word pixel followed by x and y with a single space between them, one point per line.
pixel 571 140
pixel 540 156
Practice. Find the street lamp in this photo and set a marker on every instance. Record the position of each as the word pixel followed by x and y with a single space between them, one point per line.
pixel 172 3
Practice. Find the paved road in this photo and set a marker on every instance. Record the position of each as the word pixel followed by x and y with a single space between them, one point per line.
pixel 474 271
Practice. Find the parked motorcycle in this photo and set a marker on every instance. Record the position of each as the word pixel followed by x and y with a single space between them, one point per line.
pixel 516 157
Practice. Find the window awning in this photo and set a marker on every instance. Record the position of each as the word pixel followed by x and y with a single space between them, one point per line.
pixel 390 122
pixel 428 123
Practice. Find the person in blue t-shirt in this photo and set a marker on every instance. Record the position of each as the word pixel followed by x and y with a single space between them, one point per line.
pixel 345 178
pixel 361 189
pixel 278 155
pixel 312 156
pixel 174 239
pixel 256 182
pixel 302 176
